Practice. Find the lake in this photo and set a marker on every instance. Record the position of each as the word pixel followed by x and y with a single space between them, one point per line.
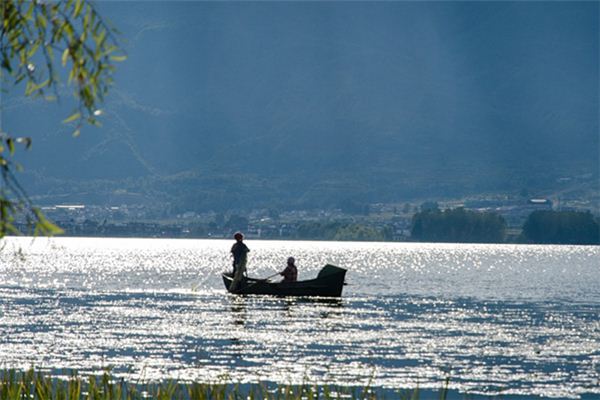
pixel 497 319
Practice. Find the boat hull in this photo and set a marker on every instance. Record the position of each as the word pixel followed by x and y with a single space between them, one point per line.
pixel 329 283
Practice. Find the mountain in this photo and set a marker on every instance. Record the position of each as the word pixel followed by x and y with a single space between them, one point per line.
pixel 308 104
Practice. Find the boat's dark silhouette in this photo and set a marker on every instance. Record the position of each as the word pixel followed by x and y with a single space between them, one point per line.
pixel 328 283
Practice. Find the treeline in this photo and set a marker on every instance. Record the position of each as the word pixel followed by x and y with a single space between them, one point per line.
pixel 565 227
pixel 342 231
pixel 458 225
pixel 541 227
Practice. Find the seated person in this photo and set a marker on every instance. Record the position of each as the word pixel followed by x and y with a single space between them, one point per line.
pixel 290 273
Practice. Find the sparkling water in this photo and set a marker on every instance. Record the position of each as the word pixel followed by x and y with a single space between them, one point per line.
pixel 495 319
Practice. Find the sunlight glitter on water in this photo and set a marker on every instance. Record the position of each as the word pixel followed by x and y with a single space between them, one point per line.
pixel 520 319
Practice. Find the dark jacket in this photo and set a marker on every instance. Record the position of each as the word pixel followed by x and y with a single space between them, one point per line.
pixel 239 251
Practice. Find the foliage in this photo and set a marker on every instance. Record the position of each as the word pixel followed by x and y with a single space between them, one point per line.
pixel 318 230
pixel 33 34
pixel 35 385
pixel 561 227
pixel 354 207
pixel 338 230
pixel 358 232
pixel 458 225
pixel 237 223
pixel 430 205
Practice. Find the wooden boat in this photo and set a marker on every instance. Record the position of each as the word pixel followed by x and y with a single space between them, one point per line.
pixel 328 283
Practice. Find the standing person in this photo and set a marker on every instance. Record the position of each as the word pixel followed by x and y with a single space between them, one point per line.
pixel 239 251
pixel 290 273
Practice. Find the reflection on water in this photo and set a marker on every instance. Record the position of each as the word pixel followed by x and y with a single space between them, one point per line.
pixel 238 309
pixel 499 319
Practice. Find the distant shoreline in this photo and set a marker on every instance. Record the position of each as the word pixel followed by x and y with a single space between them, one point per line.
pixel 293 240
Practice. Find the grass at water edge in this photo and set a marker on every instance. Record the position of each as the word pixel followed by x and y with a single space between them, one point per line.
pixel 37 385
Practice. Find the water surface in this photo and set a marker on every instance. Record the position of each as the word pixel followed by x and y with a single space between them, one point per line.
pixel 498 319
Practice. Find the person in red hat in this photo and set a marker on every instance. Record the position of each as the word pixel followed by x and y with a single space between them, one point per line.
pixel 239 251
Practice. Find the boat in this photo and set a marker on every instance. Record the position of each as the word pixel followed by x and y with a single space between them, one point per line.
pixel 328 283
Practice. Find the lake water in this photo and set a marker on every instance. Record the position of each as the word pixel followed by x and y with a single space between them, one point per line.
pixel 508 319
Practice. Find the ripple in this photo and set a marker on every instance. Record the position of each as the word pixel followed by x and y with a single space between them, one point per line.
pixel 496 318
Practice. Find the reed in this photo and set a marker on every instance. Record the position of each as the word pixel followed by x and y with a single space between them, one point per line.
pixel 37 385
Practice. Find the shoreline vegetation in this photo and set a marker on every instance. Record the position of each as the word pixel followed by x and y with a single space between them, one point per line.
pixel 34 384
pixel 458 225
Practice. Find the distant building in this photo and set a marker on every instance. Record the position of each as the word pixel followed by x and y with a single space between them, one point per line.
pixel 70 207
pixel 541 202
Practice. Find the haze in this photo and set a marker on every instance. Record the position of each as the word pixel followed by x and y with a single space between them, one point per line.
pixel 308 104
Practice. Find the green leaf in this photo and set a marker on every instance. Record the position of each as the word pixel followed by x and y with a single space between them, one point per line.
pixel 28 88
pixel 118 58
pixel 72 118
pixel 41 21
pixel 100 38
pixel 86 21
pixel 78 8
pixel 33 49
pixel 72 74
pixel 49 51
pixel 10 228
pixel 11 145
pixel 68 30
pixel 6 63
pixel 32 88
pixel 94 121
pixel 44 226
pixel 29 10
pixel 65 57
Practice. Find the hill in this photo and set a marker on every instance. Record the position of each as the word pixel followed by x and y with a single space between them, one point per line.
pixel 311 104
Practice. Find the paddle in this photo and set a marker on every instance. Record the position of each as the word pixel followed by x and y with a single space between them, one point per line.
pixel 259 280
pixel 197 285
pixel 269 277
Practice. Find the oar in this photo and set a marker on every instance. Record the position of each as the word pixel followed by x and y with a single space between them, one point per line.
pixel 195 287
pixel 268 277
pixel 260 280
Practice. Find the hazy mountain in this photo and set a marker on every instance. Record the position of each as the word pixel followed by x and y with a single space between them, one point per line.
pixel 234 104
